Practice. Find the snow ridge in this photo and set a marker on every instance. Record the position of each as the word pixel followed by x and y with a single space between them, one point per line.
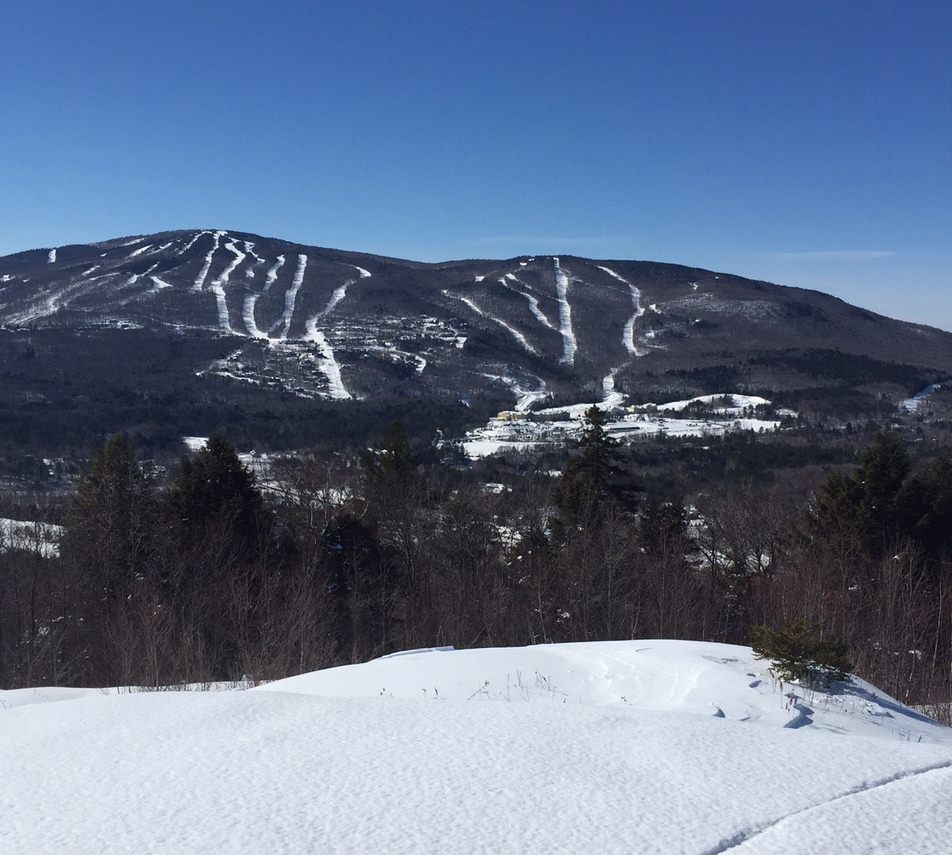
pixel 628 334
pixel 200 279
pixel 569 345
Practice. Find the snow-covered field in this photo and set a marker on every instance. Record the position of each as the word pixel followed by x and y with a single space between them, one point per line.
pixel 525 435
pixel 911 405
pixel 629 747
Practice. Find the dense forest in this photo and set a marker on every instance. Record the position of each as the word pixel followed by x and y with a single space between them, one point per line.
pixel 335 558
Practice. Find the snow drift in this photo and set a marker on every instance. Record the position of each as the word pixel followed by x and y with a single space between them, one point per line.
pixel 636 746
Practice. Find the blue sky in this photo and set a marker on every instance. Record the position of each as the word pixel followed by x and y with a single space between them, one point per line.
pixel 805 143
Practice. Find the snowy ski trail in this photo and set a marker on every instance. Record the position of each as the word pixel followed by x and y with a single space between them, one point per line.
pixel 290 298
pixel 611 398
pixel 911 405
pixel 248 314
pixel 140 250
pixel 272 273
pixel 200 279
pixel 527 399
pixel 158 285
pixel 569 345
pixel 628 334
pixel 191 243
pixel 533 302
pixel 89 270
pixel 258 260
pixel 518 336
pixel 329 366
pixel 135 277
pixel 218 287
pixel 51 257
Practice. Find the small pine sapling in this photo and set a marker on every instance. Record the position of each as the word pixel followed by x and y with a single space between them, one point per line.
pixel 799 653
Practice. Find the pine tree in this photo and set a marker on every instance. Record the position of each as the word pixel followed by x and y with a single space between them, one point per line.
pixel 799 652
pixel 592 478
pixel 215 487
pixel 863 504
pixel 662 524
pixel 110 520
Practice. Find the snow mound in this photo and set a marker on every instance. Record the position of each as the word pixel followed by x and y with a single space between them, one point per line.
pixel 617 750
pixel 701 678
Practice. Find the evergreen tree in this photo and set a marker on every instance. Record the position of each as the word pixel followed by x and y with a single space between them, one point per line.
pixel 799 652
pixel 592 477
pixel 214 486
pixel 924 507
pixel 863 505
pixel 110 520
pixel 662 524
pixel 882 470
pixel 350 553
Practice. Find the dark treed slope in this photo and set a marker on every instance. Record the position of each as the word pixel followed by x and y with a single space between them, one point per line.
pixel 190 328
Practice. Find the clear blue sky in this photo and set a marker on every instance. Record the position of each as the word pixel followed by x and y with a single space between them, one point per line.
pixel 805 143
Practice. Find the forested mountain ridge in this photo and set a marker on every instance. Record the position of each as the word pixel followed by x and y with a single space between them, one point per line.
pixel 257 323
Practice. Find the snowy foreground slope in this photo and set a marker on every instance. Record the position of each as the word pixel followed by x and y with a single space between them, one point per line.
pixel 634 747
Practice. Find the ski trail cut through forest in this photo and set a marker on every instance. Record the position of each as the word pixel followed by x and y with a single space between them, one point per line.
pixel 203 273
pixel 518 336
pixel 569 345
pixel 628 334
pixel 533 302
pixel 290 298
pixel 218 287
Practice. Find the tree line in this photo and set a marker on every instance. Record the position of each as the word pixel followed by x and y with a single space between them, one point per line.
pixel 338 558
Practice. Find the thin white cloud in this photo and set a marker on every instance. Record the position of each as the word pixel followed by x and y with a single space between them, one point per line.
pixel 830 255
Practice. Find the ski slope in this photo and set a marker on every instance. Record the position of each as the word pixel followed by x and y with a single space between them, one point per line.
pixel 533 302
pixel 221 282
pixel 290 298
pixel 911 405
pixel 518 336
pixel 617 747
pixel 569 344
pixel 628 333
pixel 203 273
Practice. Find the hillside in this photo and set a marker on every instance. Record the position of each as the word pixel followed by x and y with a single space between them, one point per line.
pixel 185 332
pixel 636 746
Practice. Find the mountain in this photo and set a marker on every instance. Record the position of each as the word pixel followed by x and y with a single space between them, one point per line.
pixel 211 326
pixel 613 747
